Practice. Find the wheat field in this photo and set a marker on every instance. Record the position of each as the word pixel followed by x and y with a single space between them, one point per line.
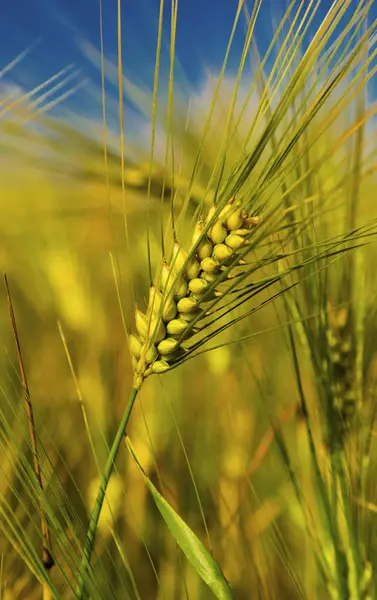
pixel 213 438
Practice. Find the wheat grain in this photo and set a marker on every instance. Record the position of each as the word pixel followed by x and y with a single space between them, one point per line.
pixel 184 286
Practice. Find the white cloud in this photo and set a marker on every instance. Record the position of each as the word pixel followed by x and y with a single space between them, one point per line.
pixel 10 90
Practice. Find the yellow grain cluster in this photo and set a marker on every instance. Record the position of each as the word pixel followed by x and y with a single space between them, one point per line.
pixel 185 286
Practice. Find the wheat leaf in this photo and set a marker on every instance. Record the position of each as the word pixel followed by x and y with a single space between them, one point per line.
pixel 204 564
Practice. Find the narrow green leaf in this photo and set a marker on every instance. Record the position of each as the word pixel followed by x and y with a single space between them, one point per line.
pixel 205 566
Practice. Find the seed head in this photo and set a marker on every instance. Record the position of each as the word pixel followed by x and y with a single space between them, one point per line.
pixel 189 281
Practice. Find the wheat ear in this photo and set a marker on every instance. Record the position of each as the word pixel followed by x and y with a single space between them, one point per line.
pixel 183 289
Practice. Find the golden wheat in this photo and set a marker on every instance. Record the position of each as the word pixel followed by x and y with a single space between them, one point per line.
pixel 184 286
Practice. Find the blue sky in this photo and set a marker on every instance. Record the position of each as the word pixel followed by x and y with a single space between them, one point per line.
pixel 202 33
pixel 202 28
pixel 58 28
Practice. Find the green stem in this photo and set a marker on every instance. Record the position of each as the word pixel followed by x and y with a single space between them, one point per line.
pixel 341 561
pixel 94 518
pixel 354 555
